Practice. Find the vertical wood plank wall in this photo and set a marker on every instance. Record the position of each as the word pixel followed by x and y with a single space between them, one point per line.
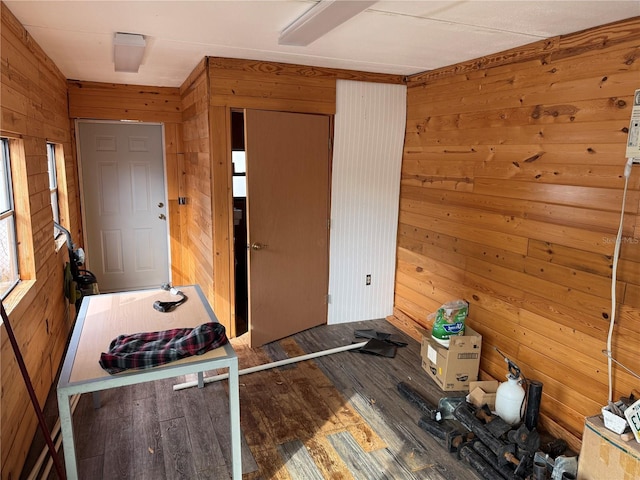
pixel 105 101
pixel 247 84
pixel 197 171
pixel 367 156
pixel 511 192
pixel 33 100
pixel 237 84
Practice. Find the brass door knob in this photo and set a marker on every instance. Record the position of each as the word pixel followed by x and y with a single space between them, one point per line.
pixel 258 246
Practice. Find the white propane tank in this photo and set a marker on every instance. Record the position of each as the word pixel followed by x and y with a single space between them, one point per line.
pixel 509 399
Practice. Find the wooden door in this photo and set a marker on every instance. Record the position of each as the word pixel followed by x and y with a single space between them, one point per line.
pixel 287 213
pixel 124 204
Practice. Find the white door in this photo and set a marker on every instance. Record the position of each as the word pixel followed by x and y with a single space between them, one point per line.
pixel 124 206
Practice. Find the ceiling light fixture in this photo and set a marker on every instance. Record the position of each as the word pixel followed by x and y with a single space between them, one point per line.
pixel 323 17
pixel 128 50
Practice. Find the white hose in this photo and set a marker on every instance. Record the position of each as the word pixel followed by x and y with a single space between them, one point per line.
pixel 267 366
pixel 614 273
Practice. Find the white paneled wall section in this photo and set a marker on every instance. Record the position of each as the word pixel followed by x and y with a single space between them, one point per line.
pixel 367 158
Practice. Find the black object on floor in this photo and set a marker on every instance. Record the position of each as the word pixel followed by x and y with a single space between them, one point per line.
pixel 373 334
pixel 418 400
pixel 484 468
pixel 378 347
pixel 370 333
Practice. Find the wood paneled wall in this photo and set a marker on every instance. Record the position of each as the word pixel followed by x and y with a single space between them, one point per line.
pixel 249 84
pixel 198 243
pixel 106 101
pixel 33 101
pixel 225 84
pixel 511 193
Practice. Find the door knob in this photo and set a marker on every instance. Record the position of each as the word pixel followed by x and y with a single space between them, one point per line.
pixel 258 246
pixel 160 204
pixel 162 216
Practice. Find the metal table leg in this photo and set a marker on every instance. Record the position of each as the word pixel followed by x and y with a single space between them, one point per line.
pixel 66 427
pixel 234 409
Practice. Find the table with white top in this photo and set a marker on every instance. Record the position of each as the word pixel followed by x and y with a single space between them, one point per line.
pixel 102 318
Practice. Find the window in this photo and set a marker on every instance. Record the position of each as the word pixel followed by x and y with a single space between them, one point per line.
pixel 239 174
pixel 9 275
pixel 53 187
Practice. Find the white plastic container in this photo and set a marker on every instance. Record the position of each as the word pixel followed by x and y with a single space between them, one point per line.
pixel 509 400
pixel 612 421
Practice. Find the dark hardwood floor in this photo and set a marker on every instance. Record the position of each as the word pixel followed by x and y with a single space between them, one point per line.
pixel 336 417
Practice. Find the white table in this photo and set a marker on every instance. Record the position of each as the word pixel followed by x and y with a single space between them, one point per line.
pixel 102 318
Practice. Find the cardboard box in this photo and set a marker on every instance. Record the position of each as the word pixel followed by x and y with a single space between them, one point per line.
pixel 455 367
pixel 483 393
pixel 605 455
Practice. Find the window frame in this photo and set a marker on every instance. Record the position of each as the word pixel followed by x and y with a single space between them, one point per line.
pixel 54 193
pixel 10 212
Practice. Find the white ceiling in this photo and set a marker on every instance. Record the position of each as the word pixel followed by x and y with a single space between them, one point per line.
pixel 393 36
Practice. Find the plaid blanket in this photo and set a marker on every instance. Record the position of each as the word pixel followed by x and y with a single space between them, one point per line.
pixel 149 349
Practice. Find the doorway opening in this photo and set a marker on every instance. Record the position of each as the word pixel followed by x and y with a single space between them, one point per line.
pixel 239 172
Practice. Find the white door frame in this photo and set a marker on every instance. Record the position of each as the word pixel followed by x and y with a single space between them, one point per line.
pixel 77 123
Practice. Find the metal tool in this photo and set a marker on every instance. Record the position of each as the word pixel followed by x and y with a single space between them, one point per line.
pixel 506 471
pixel 501 449
pixel 447 405
pixel 528 442
pixel 484 468
pixel 419 401
pixel 450 433
pixel 496 425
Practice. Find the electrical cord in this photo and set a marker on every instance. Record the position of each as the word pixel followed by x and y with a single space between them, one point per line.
pixel 614 274
pixel 166 307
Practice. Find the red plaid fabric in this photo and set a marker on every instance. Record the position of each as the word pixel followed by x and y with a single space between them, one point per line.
pixel 149 349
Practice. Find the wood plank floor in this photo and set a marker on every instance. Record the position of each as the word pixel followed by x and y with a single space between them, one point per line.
pixel 336 417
